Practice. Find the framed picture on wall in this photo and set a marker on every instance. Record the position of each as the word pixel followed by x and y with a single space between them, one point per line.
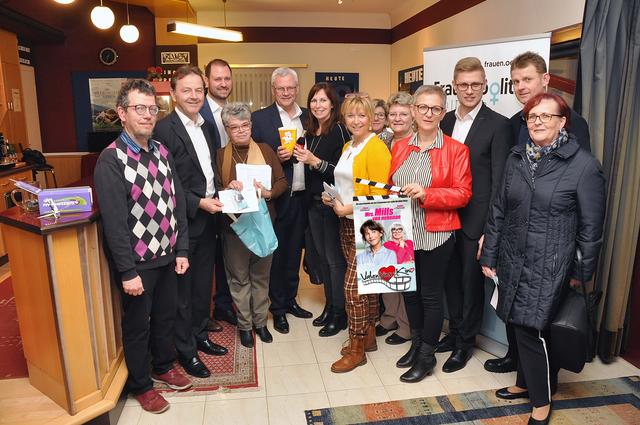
pixel 103 93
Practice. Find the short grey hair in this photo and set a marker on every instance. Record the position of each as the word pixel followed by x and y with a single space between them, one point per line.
pixel 401 98
pixel 426 89
pixel 283 72
pixel 237 110
pixel 133 84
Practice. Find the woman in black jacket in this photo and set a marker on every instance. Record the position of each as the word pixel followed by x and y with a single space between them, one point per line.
pixel 551 203
pixel 324 139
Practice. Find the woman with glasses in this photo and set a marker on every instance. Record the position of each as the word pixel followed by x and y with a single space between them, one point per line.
pixel 379 123
pixel 433 170
pixel 366 157
pixel 248 274
pixel 551 203
pixel 324 139
pixel 400 118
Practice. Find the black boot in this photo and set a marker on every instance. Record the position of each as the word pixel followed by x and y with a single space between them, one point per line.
pixel 335 324
pixel 422 366
pixel 408 359
pixel 324 317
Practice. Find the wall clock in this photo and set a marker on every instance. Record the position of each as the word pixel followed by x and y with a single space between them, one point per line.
pixel 108 56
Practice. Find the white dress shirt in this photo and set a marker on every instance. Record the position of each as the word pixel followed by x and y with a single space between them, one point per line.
pixel 194 130
pixel 463 124
pixel 217 111
pixel 298 168
pixel 343 174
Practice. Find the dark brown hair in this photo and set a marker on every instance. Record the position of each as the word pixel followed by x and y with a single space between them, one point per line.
pixel 525 59
pixel 182 72
pixel 312 123
pixel 216 62
pixel 371 225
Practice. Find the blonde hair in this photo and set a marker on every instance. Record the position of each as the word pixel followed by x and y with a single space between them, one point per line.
pixel 355 102
pixel 468 64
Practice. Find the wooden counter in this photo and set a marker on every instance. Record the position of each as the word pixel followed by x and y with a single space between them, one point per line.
pixel 69 312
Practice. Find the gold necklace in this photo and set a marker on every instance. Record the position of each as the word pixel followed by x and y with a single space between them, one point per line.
pixel 236 155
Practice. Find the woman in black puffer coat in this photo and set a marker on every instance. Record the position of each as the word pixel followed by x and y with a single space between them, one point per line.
pixel 552 202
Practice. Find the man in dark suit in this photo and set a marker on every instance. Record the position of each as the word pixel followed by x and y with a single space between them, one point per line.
pixel 191 139
pixel 487 134
pixel 529 77
pixel 291 211
pixel 219 87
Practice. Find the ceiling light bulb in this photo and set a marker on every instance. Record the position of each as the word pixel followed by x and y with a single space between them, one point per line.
pixel 102 17
pixel 129 33
pixel 64 1
pixel 339 1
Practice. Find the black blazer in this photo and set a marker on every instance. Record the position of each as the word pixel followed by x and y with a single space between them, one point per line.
pixel 578 127
pixel 489 141
pixel 264 129
pixel 171 132
pixel 207 114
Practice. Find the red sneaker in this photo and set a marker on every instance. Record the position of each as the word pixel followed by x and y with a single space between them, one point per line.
pixel 152 401
pixel 174 379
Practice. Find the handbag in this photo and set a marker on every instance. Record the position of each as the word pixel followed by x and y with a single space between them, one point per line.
pixel 570 332
pixel 255 230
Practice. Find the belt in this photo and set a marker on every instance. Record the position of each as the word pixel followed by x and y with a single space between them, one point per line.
pixel 298 193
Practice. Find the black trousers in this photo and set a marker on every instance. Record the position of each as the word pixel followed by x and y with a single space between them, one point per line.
pixel 512 349
pixel 148 324
pixel 536 370
pixel 325 236
pixel 465 292
pixel 284 278
pixel 222 297
pixel 424 306
pixel 194 291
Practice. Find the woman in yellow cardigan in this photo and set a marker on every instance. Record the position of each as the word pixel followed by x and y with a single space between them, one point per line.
pixel 366 157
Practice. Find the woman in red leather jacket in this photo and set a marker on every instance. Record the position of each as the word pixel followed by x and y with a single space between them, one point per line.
pixel 432 169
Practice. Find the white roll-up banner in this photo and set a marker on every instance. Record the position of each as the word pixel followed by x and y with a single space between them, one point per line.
pixel 495 56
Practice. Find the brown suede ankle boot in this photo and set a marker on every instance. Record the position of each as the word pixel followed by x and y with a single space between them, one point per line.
pixel 354 356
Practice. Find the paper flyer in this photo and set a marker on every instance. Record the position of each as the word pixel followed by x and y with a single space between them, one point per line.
pixel 384 245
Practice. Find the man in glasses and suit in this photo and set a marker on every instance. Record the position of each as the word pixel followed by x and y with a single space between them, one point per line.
pixel 291 218
pixel 191 142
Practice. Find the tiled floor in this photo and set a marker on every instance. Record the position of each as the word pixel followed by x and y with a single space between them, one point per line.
pixel 294 375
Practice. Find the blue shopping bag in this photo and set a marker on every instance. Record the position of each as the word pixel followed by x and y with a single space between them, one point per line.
pixel 256 231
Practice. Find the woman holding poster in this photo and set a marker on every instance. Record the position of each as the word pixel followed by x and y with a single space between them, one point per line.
pixel 433 170
pixel 366 157
pixel 324 139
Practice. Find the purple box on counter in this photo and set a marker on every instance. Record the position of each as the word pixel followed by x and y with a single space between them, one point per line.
pixel 67 199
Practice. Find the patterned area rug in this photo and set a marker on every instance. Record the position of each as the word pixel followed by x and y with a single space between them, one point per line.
pixel 603 402
pixel 237 369
pixel 12 361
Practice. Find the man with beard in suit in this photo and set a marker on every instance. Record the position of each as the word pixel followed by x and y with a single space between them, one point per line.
pixel 487 134
pixel 190 139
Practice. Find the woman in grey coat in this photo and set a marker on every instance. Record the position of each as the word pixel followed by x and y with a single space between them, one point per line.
pixel 551 203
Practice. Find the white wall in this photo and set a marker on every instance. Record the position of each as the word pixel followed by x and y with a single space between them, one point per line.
pixel 30 96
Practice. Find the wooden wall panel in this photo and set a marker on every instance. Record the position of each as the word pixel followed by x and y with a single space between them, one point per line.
pixel 66 166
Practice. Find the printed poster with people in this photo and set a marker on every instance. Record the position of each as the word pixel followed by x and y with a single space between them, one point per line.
pixel 384 245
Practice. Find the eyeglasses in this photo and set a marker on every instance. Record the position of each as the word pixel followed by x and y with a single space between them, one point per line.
pixel 544 118
pixel 282 90
pixel 402 115
pixel 465 86
pixel 380 115
pixel 142 109
pixel 361 95
pixel 239 128
pixel 397 229
pixel 435 110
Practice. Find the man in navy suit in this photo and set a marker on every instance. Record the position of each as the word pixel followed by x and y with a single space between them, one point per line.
pixel 291 211
pixel 219 87
pixel 487 134
pixel 190 139
pixel 529 77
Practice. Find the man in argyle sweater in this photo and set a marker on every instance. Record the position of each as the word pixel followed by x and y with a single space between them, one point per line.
pixel 145 232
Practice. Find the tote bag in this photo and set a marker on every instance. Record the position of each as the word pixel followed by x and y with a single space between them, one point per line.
pixel 256 231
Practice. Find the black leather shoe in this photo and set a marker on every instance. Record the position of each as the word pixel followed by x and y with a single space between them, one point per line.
pixel 264 334
pixel 214 326
pixel 324 317
pixel 544 421
pixel 211 348
pixel 226 314
pixel 334 325
pixel 505 394
pixel 194 367
pixel 458 360
pixel 501 365
pixel 395 339
pixel 298 311
pixel 280 324
pixel 448 343
pixel 381 330
pixel 246 338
